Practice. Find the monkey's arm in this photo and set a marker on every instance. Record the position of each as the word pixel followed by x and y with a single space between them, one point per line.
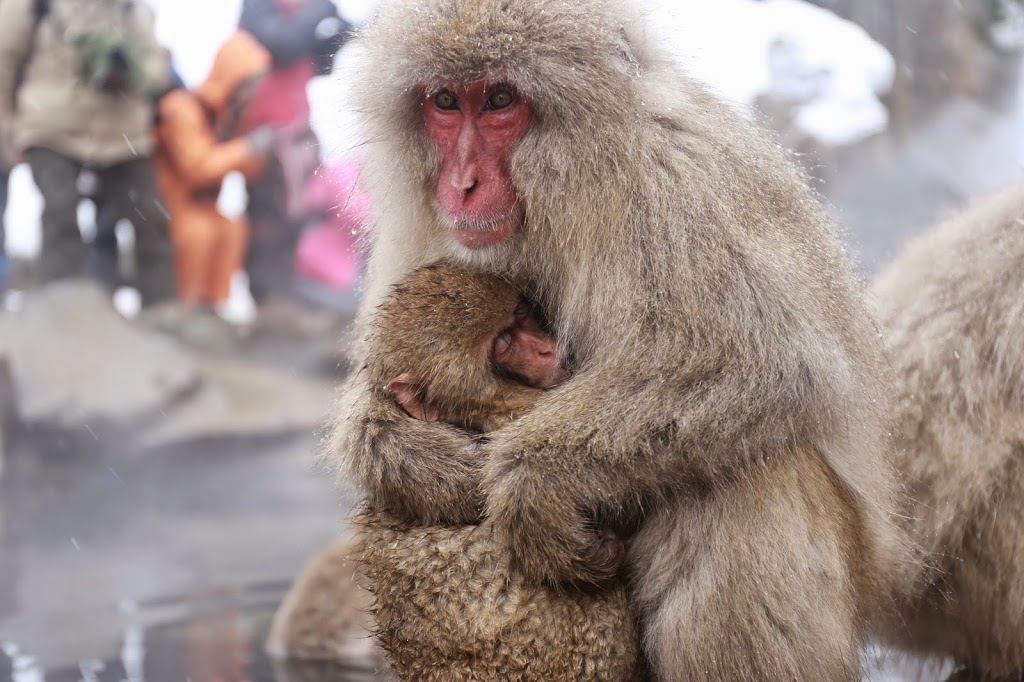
pixel 426 473
pixel 619 437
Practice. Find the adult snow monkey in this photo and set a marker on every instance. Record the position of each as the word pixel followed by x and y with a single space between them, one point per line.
pixel 727 413
pixel 952 309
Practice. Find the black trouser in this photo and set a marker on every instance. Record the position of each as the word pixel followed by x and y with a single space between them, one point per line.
pixel 128 189
pixel 270 260
pixel 104 260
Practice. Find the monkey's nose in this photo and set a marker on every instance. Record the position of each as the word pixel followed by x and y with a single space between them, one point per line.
pixel 468 186
pixel 464 179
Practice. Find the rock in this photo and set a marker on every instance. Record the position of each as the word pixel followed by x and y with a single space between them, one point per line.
pixel 74 360
pixel 240 396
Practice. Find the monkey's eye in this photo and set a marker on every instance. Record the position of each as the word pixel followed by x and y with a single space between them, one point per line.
pixel 502 347
pixel 446 100
pixel 500 98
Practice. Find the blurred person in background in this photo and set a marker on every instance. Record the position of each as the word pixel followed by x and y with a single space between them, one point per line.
pixel 77 81
pixel 192 160
pixel 302 37
pixel 104 261
pixel 327 261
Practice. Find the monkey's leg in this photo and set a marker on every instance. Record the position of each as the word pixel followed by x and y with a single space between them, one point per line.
pixel 325 614
pixel 754 581
pixel 973 607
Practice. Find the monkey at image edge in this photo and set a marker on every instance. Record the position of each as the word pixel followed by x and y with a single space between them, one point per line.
pixel 951 307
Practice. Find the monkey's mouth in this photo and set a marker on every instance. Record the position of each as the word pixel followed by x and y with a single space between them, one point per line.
pixel 482 234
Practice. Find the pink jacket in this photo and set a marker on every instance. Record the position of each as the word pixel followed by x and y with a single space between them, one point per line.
pixel 329 252
pixel 281 99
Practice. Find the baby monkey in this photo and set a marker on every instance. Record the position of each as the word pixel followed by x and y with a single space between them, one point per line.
pixel 467 349
pixel 478 353
pixel 464 348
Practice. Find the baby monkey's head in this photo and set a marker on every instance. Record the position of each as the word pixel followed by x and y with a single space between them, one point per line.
pixel 461 347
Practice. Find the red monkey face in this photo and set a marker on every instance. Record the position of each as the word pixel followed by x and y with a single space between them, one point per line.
pixel 528 353
pixel 475 128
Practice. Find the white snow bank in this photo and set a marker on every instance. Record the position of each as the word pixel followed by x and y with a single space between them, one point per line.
pixel 24 206
pixel 828 67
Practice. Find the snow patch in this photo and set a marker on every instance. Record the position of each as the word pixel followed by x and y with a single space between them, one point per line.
pixel 830 69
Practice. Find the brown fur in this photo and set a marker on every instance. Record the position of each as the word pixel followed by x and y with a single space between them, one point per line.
pixel 450 607
pixel 717 325
pixel 786 572
pixel 326 613
pixel 448 604
pixel 440 323
pixel 952 307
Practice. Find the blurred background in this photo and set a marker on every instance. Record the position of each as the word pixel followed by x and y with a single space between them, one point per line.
pixel 158 490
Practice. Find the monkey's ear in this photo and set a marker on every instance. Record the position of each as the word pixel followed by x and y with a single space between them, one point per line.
pixel 410 396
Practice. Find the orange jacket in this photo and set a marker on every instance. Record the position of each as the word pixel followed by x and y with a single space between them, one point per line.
pixel 191 161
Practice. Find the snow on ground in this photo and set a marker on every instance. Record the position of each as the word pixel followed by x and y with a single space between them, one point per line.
pixel 829 68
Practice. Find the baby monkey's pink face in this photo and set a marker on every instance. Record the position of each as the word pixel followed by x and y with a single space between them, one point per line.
pixel 527 353
pixel 499 352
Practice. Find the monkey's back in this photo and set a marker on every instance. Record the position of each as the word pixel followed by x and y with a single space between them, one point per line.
pixel 952 308
pixel 449 607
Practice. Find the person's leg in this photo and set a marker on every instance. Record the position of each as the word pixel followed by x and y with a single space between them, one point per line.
pixel 271 252
pixel 62 253
pixel 104 258
pixel 195 244
pixel 201 236
pixel 232 237
pixel 130 190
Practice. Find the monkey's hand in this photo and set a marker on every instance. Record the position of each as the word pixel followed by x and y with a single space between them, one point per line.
pixel 425 473
pixel 583 458
pixel 549 498
pixel 550 533
pixel 608 553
